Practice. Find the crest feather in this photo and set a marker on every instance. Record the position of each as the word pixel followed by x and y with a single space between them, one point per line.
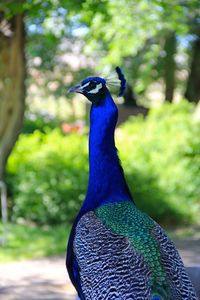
pixel 117 79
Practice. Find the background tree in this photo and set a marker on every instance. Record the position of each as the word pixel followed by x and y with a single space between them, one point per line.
pixel 120 30
pixel 143 36
pixel 13 16
pixel 192 92
pixel 193 84
pixel 169 65
pixel 12 82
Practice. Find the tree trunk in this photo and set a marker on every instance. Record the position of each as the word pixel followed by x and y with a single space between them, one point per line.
pixel 169 66
pixel 193 84
pixel 12 88
pixel 129 97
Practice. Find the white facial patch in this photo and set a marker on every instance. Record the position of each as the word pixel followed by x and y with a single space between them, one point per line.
pixel 97 88
pixel 83 86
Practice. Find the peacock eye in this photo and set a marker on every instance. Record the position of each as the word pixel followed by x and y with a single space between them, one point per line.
pixel 92 84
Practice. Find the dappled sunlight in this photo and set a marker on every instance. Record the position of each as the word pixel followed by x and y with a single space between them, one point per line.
pixel 36 282
pixel 47 47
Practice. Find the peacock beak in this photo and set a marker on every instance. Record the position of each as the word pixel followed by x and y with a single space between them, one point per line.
pixel 77 89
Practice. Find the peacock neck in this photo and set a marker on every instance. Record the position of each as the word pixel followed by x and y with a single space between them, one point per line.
pixel 106 179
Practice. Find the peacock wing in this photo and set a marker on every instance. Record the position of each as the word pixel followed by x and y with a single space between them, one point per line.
pixel 109 266
pixel 179 281
pixel 123 254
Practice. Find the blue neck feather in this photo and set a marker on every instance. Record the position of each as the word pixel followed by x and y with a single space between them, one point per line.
pixel 106 179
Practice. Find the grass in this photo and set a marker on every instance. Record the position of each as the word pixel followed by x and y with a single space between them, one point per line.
pixel 28 241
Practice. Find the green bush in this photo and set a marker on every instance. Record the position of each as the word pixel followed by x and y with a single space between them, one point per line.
pixel 47 176
pixel 47 173
pixel 43 123
pixel 161 156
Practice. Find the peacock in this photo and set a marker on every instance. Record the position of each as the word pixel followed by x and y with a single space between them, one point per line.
pixel 115 251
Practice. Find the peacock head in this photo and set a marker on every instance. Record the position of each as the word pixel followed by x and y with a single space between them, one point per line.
pixel 95 88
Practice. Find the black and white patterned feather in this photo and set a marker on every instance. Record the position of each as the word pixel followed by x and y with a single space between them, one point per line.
pixel 178 279
pixel 109 266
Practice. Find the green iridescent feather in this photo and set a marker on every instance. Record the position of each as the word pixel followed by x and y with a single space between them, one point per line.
pixel 125 219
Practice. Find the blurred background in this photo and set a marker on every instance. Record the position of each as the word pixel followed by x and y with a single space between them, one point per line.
pixel 47 46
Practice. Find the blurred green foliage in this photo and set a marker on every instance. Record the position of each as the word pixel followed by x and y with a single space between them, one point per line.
pixel 133 33
pixel 47 176
pixel 161 156
pixel 47 173
pixel 38 122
